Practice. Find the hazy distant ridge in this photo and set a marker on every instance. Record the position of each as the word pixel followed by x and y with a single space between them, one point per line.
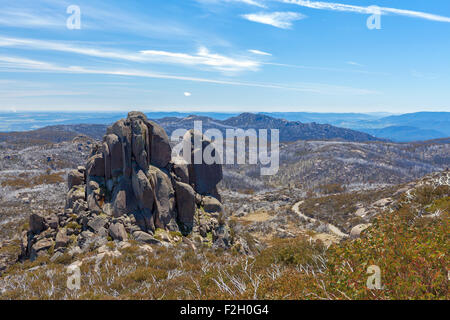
pixel 418 126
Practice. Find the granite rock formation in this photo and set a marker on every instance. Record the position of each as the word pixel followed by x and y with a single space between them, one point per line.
pixel 131 188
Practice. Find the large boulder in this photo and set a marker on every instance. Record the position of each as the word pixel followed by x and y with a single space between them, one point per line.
pixel 75 178
pixel 140 142
pixel 116 156
pixel 203 176
pixel 181 171
pixel 160 150
pixel 142 189
pixel 123 199
pixel 145 196
pixel 122 130
pixel 185 197
pixel 165 199
pixel 107 158
pixel 96 166
pixel 145 220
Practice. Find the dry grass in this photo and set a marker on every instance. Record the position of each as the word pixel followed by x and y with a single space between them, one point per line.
pixel 410 249
pixel 22 181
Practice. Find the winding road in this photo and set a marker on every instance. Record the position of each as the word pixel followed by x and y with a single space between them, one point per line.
pixel 333 229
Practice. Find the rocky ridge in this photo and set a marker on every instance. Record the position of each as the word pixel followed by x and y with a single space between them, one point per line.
pixel 130 189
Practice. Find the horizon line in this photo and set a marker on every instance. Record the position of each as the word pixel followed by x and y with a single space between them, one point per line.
pixel 212 112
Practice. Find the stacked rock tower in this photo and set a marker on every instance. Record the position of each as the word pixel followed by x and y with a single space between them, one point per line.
pixel 131 188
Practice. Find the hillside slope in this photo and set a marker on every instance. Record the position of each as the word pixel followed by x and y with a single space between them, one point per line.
pixel 408 245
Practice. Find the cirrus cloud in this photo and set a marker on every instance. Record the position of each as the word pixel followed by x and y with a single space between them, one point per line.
pixel 259 52
pixel 203 58
pixel 282 20
pixel 321 5
pixel 17 64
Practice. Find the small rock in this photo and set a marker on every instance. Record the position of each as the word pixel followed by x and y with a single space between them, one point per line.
pixel 80 206
pixel 61 239
pixel 52 221
pixel 212 205
pixel 357 230
pixel 57 255
pixel 361 212
pixel 382 202
pixel 40 246
pixel 123 245
pixel 142 236
pixel 37 223
pixel 146 248
pixel 97 224
pixel 117 232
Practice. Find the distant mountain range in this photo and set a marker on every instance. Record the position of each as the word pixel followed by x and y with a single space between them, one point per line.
pixel 419 126
pixel 408 127
pixel 289 130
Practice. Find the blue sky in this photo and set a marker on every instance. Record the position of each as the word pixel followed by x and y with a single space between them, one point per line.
pixel 225 55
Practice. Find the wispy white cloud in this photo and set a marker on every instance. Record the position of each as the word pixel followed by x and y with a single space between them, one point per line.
pixel 14 64
pixel 321 5
pixel 202 58
pixel 70 48
pixel 98 16
pixel 252 2
pixel 259 52
pixel 27 18
pixel 281 20
pixel 187 94
pixel 23 63
pixel 353 63
pixel 256 3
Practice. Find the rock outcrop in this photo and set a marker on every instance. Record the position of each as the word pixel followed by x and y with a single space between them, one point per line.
pixel 131 189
